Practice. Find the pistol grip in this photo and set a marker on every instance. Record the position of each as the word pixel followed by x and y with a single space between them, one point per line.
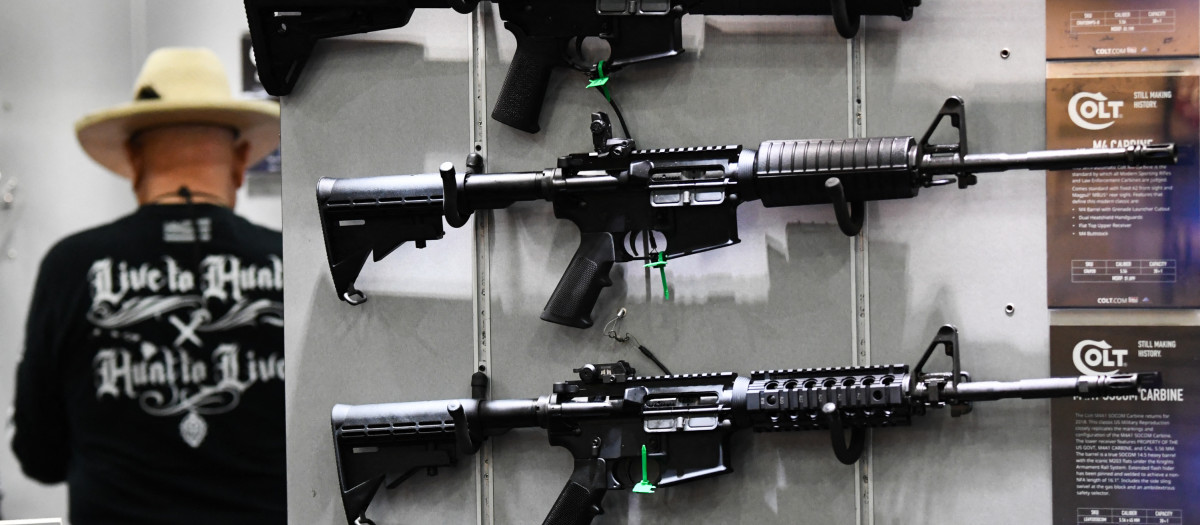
pixel 579 501
pixel 520 101
pixel 576 294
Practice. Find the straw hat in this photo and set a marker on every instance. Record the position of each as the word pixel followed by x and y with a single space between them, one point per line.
pixel 178 86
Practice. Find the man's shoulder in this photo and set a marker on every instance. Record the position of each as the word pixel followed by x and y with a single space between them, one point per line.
pixel 257 229
pixel 79 245
pixel 256 235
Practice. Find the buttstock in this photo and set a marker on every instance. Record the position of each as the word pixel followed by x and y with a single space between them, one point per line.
pixel 283 32
pixel 374 216
pixel 374 442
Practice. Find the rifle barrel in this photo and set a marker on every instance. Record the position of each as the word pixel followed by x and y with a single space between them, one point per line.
pixel 1118 384
pixel 934 164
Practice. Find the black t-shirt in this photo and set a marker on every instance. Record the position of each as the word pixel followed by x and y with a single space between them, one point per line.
pixel 152 380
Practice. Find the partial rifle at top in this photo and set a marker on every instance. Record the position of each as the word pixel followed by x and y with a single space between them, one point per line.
pixel 682 425
pixel 283 33
pixel 688 195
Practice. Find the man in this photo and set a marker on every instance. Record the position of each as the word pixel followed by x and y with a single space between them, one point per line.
pixel 152 378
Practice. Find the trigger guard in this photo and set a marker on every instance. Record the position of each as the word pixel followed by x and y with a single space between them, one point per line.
pixel 578 44
pixel 628 247
pixel 629 244
pixel 628 472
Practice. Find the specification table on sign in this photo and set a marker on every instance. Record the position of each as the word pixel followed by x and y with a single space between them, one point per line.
pixel 1123 270
pixel 1130 21
pixel 1160 516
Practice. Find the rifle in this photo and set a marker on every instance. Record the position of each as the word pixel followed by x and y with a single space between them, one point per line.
pixel 689 195
pixel 283 33
pixel 610 419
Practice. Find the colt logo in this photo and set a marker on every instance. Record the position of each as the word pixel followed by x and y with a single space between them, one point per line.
pixel 1088 354
pixel 1084 108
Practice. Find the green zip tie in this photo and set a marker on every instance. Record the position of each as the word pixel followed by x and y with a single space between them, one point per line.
pixel 600 81
pixel 644 486
pixel 661 264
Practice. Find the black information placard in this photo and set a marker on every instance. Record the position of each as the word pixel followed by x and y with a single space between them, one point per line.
pixel 1123 237
pixel 1127 459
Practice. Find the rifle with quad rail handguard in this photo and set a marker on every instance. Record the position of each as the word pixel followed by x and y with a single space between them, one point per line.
pixel 610 419
pixel 688 195
pixel 283 33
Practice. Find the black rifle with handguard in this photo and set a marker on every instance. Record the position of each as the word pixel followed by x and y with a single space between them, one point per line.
pixel 689 195
pixel 684 421
pixel 283 33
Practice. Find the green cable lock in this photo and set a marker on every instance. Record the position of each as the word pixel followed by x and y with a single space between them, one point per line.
pixel 600 81
pixel 644 486
pixel 661 264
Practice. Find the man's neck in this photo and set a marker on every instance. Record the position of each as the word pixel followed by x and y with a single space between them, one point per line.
pixel 164 187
